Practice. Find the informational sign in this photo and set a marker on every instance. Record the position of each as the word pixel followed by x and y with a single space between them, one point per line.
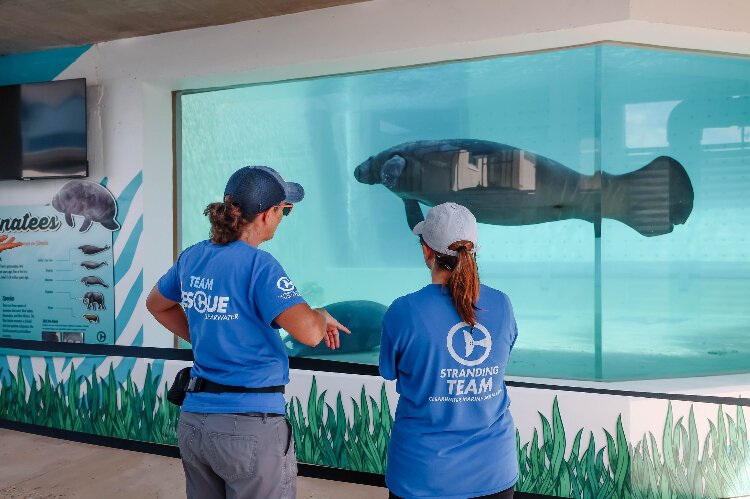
pixel 58 286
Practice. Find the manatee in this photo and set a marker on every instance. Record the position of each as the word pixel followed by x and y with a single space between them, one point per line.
pixel 92 318
pixel 363 318
pixel 504 185
pixel 88 199
pixel 89 249
pixel 92 265
pixel 92 280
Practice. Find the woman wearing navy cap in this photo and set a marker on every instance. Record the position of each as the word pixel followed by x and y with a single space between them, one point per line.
pixel 229 298
pixel 448 346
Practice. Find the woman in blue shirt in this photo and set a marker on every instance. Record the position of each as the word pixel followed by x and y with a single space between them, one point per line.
pixel 447 346
pixel 229 298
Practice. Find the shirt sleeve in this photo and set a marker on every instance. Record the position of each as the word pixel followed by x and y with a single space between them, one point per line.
pixel 169 284
pixel 513 325
pixel 388 349
pixel 272 290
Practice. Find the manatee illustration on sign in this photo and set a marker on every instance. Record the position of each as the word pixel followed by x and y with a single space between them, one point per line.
pixel 88 199
pixel 504 185
pixel 92 280
pixel 90 249
pixel 88 264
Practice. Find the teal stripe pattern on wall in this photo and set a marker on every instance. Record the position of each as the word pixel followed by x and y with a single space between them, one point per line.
pixel 125 199
pixel 128 268
pixel 37 66
pixel 125 314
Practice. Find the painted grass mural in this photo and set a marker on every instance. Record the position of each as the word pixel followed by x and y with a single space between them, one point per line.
pixel 326 437
pixel 667 468
pixel 101 406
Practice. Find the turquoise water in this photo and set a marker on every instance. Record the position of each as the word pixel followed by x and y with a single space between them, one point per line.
pixel 620 306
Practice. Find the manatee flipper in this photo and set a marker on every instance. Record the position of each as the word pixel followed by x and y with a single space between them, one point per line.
pixel 414 213
pixel 392 170
pixel 86 225
pixel 69 219
pixel 651 200
pixel 111 224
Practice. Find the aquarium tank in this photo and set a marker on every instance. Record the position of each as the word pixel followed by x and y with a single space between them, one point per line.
pixel 610 184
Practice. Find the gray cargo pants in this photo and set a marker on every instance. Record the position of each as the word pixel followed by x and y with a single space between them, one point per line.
pixel 237 456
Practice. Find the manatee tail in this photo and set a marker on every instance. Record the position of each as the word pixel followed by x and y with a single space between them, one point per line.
pixel 111 224
pixel 414 213
pixel 651 200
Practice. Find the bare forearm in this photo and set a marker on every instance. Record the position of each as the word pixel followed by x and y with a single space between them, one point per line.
pixel 321 329
pixel 174 320
pixel 309 326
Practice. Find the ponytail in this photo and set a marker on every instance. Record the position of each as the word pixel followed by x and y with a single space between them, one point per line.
pixel 463 283
pixel 226 220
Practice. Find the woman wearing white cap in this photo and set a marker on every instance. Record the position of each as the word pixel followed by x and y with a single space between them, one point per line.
pixel 229 298
pixel 448 346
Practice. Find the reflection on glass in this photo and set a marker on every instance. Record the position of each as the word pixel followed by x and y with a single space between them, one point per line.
pixel 677 305
pixel 514 139
pixel 646 123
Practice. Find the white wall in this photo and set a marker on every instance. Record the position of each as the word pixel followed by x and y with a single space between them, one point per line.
pixel 131 80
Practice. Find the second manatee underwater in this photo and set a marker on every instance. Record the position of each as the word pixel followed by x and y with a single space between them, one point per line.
pixel 363 318
pixel 504 185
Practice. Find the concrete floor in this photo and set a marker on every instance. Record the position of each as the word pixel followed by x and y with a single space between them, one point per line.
pixel 38 467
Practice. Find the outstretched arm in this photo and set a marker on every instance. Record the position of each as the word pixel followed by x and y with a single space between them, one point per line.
pixel 9 244
pixel 309 326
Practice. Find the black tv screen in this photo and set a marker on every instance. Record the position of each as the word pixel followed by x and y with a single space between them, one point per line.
pixel 43 130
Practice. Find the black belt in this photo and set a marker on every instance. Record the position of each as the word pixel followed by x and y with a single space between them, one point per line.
pixel 198 384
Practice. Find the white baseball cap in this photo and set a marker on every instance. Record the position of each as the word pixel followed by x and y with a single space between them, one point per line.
pixel 445 224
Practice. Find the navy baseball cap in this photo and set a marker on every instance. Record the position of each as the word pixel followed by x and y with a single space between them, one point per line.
pixel 257 188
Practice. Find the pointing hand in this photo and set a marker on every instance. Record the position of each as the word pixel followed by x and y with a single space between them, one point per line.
pixel 10 244
pixel 332 330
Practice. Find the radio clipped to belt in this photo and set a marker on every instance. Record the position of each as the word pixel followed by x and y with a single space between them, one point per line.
pixel 184 384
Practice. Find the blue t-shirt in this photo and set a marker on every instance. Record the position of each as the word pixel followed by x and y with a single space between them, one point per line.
pixel 453 435
pixel 231 295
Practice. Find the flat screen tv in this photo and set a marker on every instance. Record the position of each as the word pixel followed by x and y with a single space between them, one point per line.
pixel 43 130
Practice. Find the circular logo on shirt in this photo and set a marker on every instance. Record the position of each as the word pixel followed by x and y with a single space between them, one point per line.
pixel 200 302
pixel 284 284
pixel 466 348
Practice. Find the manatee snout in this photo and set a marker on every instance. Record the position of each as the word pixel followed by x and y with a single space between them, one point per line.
pixel 383 169
pixel 364 173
